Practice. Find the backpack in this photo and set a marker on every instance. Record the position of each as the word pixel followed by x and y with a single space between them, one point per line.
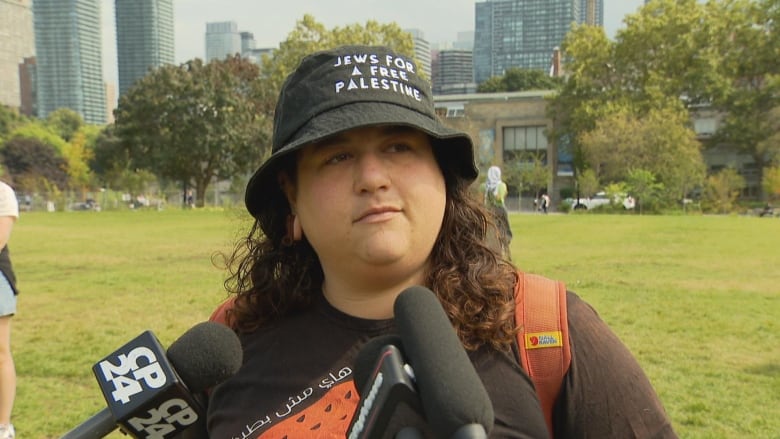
pixel 543 339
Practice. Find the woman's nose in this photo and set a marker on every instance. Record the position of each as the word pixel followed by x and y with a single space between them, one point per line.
pixel 371 173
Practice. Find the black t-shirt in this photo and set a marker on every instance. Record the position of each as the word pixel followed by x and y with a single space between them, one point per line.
pixel 296 382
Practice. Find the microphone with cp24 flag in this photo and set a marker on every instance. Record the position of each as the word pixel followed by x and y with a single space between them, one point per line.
pixel 151 394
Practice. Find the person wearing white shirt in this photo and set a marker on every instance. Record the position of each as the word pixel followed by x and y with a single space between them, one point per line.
pixel 9 213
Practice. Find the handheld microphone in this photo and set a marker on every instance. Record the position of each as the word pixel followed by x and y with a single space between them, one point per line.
pixel 389 407
pixel 151 394
pixel 454 400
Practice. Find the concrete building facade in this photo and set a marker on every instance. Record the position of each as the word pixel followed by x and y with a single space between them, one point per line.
pixel 17 42
pixel 505 126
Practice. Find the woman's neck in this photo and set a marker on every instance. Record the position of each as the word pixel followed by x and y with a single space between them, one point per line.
pixel 374 302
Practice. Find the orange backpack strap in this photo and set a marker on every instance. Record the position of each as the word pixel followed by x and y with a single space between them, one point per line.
pixel 543 340
pixel 220 314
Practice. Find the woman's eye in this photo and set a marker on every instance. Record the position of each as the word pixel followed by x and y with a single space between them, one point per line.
pixel 336 158
pixel 399 147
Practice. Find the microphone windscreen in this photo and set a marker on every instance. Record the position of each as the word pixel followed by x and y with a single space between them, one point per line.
pixel 366 359
pixel 451 391
pixel 206 355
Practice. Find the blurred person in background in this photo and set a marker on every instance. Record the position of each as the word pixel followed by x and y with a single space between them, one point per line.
pixel 9 213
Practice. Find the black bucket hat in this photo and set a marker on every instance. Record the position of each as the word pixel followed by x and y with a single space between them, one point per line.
pixel 344 88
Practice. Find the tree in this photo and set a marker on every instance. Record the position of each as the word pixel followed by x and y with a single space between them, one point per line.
pixel 110 159
pixel 722 190
pixel 78 153
pixel 9 120
pixel 517 79
pixel 194 122
pixel 587 183
pixel 660 143
pixel 590 92
pixel 34 165
pixel 748 42
pixel 642 185
pixel 527 171
pixel 771 182
pixel 64 122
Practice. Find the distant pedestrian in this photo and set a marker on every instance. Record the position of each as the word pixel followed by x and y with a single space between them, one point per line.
pixel 545 202
pixel 495 192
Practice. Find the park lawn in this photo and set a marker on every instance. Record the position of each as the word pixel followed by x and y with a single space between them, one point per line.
pixel 696 298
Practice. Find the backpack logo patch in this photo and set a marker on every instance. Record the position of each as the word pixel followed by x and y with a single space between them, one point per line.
pixel 537 340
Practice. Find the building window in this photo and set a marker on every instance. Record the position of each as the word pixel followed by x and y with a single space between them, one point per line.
pixel 530 138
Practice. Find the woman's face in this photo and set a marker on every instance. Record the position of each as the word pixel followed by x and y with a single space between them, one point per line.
pixel 370 201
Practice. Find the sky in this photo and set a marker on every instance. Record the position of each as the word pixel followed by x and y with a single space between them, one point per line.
pixel 439 20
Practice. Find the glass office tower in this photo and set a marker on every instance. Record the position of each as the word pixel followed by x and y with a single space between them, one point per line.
pixel 69 60
pixel 523 33
pixel 144 38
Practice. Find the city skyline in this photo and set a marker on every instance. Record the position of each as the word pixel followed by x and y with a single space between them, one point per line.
pixel 191 16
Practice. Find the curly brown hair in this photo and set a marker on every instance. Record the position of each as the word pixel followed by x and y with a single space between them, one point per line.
pixel 474 283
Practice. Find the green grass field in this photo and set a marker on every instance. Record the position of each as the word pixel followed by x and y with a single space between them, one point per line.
pixel 696 298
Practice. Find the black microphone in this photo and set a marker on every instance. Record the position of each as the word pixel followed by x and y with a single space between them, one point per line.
pixel 389 407
pixel 454 399
pixel 151 394
pixel 367 359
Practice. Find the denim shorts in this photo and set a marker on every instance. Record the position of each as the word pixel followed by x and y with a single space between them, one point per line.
pixel 7 298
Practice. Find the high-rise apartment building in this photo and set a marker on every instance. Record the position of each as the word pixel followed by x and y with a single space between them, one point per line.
pixel 247 42
pixel 222 39
pixel 592 12
pixel 69 64
pixel 144 38
pixel 523 33
pixel 17 42
pixel 422 51
pixel 453 72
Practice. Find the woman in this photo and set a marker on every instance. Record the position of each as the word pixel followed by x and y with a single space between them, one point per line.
pixel 494 195
pixel 366 194
pixel 9 213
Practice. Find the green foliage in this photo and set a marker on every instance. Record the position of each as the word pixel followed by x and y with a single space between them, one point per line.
pixel 642 185
pixel 9 120
pixel 41 132
pixel 771 182
pixel 616 192
pixel 191 123
pixel 660 142
pixel 78 155
pixel 722 190
pixel 587 183
pixel 65 122
pixel 34 165
pixel 675 56
pixel 527 172
pixel 517 79
pixel 110 158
